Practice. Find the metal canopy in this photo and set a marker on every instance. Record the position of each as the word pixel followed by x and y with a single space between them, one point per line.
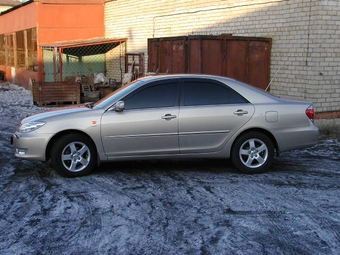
pixel 71 54
pixel 85 48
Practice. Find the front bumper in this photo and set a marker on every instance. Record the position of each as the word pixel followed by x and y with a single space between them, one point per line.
pixel 30 146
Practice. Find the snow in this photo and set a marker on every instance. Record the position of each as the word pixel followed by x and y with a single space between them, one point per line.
pixel 16 103
pixel 166 207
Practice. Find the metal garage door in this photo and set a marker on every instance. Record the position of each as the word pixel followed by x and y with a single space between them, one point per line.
pixel 242 58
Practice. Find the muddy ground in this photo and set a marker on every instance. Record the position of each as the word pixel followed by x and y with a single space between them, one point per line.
pixel 169 207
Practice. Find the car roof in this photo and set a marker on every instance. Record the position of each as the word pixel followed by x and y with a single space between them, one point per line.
pixel 172 76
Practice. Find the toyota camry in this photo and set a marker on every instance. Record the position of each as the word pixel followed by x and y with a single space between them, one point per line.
pixel 170 116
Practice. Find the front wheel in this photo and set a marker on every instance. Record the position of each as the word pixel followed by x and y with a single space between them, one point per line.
pixel 74 155
pixel 252 153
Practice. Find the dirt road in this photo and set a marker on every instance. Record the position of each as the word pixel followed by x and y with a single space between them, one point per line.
pixel 174 207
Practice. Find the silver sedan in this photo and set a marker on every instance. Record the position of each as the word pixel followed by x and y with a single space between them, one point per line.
pixel 169 116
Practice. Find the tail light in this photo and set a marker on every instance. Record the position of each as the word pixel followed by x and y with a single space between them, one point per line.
pixel 310 112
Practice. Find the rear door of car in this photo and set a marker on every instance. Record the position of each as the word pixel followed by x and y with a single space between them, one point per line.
pixel 210 113
pixel 148 125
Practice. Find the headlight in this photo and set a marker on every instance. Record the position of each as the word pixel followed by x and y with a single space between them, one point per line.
pixel 31 126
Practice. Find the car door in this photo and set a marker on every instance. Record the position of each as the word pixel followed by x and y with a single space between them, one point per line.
pixel 210 113
pixel 148 125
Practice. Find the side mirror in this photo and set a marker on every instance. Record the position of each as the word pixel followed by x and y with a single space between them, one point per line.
pixel 119 107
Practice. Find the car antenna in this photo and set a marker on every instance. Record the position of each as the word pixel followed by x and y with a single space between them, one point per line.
pixel 273 77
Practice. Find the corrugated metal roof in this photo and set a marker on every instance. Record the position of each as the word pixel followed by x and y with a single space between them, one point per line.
pixel 9 2
pixel 15 6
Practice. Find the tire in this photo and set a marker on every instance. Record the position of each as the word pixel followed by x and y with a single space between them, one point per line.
pixel 252 153
pixel 74 155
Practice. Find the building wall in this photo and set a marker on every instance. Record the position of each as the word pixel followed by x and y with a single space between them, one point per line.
pixel 57 20
pixel 68 22
pixel 54 21
pixel 305 55
pixel 18 20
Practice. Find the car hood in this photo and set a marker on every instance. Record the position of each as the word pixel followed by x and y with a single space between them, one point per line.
pixel 57 112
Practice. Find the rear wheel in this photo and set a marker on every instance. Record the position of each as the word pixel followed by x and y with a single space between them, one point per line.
pixel 74 155
pixel 252 153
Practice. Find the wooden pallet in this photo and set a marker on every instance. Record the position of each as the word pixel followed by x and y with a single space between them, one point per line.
pixel 56 93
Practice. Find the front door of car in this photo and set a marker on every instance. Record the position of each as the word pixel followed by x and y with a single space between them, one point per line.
pixel 148 125
pixel 210 113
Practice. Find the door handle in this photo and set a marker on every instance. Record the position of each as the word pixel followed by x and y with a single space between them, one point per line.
pixel 240 112
pixel 169 117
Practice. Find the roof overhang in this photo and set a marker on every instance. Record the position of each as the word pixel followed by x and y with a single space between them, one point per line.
pixel 77 48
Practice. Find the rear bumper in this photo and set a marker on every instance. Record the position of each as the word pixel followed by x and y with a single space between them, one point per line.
pixel 297 138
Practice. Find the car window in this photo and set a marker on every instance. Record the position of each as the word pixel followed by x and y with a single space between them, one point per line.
pixel 209 93
pixel 236 98
pixel 153 96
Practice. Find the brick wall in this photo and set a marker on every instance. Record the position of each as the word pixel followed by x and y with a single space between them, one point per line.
pixel 115 62
pixel 305 52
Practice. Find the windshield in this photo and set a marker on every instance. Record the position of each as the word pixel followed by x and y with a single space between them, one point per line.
pixel 113 97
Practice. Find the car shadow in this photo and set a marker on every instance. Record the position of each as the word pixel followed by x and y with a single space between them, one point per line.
pixel 167 165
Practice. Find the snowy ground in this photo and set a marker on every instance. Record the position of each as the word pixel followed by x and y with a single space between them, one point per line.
pixel 167 207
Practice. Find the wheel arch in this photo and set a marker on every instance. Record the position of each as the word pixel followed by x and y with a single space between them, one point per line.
pixel 62 133
pixel 260 130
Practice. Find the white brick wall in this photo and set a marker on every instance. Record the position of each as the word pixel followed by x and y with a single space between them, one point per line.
pixel 304 33
pixel 115 62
